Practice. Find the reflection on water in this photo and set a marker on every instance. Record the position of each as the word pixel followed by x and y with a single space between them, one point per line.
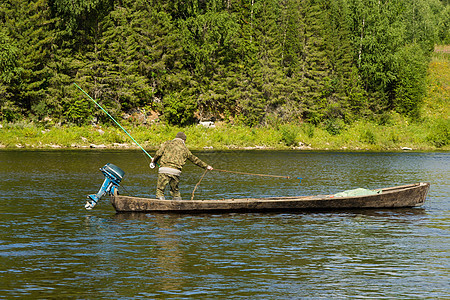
pixel 169 255
pixel 50 247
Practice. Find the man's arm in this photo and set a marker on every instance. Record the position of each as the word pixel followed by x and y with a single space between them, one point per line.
pixel 194 159
pixel 158 154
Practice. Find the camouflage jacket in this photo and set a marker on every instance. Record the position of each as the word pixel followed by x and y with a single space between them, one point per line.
pixel 173 154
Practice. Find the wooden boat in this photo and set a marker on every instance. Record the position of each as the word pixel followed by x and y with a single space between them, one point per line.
pixel 393 197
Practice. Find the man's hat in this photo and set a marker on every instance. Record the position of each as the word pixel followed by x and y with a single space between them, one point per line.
pixel 181 135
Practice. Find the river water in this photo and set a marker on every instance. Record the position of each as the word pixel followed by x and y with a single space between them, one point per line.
pixel 52 248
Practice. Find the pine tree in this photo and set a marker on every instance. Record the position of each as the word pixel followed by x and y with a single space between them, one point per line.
pixel 76 58
pixel 8 75
pixel 314 64
pixel 29 26
pixel 253 60
pixel 343 90
pixel 267 77
pixel 236 73
pixel 292 26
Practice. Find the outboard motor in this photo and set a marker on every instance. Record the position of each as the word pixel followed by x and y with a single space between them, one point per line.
pixel 113 176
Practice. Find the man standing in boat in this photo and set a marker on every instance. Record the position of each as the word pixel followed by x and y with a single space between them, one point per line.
pixel 172 156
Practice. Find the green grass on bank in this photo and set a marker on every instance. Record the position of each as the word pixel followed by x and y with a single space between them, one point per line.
pixel 431 132
pixel 428 135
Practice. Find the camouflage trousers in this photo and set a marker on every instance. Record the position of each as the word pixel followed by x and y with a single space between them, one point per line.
pixel 172 181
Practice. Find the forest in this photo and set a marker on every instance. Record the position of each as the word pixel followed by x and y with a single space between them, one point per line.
pixel 255 62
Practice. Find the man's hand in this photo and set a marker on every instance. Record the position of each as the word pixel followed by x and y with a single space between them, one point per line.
pixel 209 168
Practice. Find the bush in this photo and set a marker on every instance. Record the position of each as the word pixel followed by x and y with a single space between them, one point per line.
pixel 367 136
pixel 77 111
pixel 410 84
pixel 9 112
pixel 440 133
pixel 289 134
pixel 178 111
pixel 308 129
pixel 334 126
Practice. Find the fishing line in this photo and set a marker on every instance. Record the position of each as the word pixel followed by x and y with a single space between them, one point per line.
pixel 113 120
pixel 244 173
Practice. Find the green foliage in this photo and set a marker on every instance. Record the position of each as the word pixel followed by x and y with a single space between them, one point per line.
pixel 8 57
pixel 308 129
pixel 78 20
pixel 210 42
pixel 410 83
pixel 289 134
pixel 368 136
pixel 327 62
pixel 443 23
pixel 439 134
pixel 384 119
pixel 358 136
pixel 179 110
pixel 78 111
pixel 9 111
pixel 393 39
pixel 334 126
pixel 30 28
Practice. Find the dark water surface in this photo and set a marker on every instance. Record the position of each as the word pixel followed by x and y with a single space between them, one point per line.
pixel 52 248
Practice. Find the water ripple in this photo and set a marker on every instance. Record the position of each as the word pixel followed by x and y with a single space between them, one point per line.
pixel 50 247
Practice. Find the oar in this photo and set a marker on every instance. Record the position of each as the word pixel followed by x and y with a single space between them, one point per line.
pixel 113 120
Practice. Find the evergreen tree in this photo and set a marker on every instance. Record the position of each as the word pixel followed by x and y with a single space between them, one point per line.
pixel 8 74
pixel 208 42
pixel 77 58
pixel 254 60
pixel 30 27
pixel 167 63
pixel 291 23
pixel 314 68
pixel 340 55
pixel 80 26
pixel 236 74
pixel 267 77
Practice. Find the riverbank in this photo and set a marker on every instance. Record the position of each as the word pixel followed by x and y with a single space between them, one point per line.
pixel 425 136
pixel 396 133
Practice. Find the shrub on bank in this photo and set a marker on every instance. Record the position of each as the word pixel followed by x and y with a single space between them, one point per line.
pixel 439 134
pixel 362 135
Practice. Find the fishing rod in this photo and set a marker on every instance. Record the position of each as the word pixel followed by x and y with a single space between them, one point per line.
pixel 113 119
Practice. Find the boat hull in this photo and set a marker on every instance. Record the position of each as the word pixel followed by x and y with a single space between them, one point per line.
pixel 412 195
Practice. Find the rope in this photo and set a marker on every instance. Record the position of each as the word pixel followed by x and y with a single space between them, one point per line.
pixel 125 189
pixel 244 173
pixel 192 197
